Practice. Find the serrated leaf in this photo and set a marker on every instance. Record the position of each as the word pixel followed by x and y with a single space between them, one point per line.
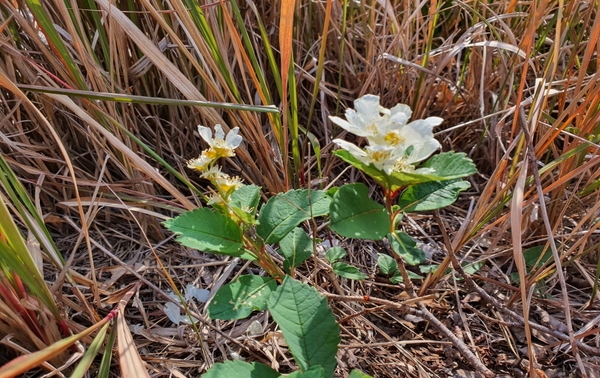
pixel 296 247
pixel 451 165
pixel 313 372
pixel 358 374
pixel 240 369
pixel 307 324
pixel 244 203
pixel 334 254
pixel 285 211
pixel 387 265
pixel 431 195
pixel 246 198
pixel 206 230
pixel 355 215
pixel 239 298
pixel 447 165
pixel 406 248
pixel 348 271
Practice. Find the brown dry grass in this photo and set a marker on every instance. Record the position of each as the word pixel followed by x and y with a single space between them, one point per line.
pixel 475 64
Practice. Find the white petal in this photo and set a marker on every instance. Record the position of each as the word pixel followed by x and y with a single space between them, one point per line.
pixel 399 119
pixel 423 151
pixel 359 125
pixel 367 106
pixel 206 134
pixel 192 291
pixel 340 122
pixel 173 313
pixel 350 147
pixel 417 132
pixel 219 134
pixel 357 129
pixel 233 140
pixel 200 163
pixel 434 121
pixel 401 109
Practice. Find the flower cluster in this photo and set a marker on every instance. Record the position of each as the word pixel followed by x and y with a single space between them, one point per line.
pixel 219 146
pixel 394 144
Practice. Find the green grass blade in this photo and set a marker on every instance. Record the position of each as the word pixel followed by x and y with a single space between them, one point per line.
pixel 118 97
pixel 91 353
pixel 56 41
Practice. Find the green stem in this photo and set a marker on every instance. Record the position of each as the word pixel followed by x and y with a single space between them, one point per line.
pixel 389 198
pixel 264 259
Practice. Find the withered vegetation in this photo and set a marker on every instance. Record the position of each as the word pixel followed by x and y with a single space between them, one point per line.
pixel 104 162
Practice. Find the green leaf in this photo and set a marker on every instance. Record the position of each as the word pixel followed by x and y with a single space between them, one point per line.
pixel 387 265
pixel 426 269
pixel 246 198
pixel 296 246
pixel 451 165
pixel 206 230
pixel 240 369
pixel 332 191
pixel 334 254
pixel 397 277
pixel 358 374
pixel 244 203
pixel 355 215
pixel 537 256
pixel 376 174
pixel 285 211
pixel 239 298
pixel 447 165
pixel 313 372
pixel 307 323
pixel 472 268
pixel 348 271
pixel 431 195
pixel 406 248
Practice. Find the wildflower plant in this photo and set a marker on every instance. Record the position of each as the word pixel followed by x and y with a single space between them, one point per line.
pixel 398 156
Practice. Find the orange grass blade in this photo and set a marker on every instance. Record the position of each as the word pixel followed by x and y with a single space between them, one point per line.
pixel 286 28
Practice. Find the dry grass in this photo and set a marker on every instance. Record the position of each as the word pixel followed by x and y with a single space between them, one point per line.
pixel 517 83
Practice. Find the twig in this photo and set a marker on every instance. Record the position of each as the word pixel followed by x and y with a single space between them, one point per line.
pixel 458 343
pixel 424 313
pixel 501 307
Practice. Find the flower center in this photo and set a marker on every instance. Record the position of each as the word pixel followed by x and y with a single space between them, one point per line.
pixel 372 128
pixel 393 138
pixel 379 156
pixel 401 165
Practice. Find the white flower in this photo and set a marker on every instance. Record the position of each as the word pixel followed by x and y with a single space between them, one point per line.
pixel 362 121
pixel 216 200
pixel 394 144
pixel 200 163
pixel 212 174
pixel 220 146
pixel 227 183
pixel 380 156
